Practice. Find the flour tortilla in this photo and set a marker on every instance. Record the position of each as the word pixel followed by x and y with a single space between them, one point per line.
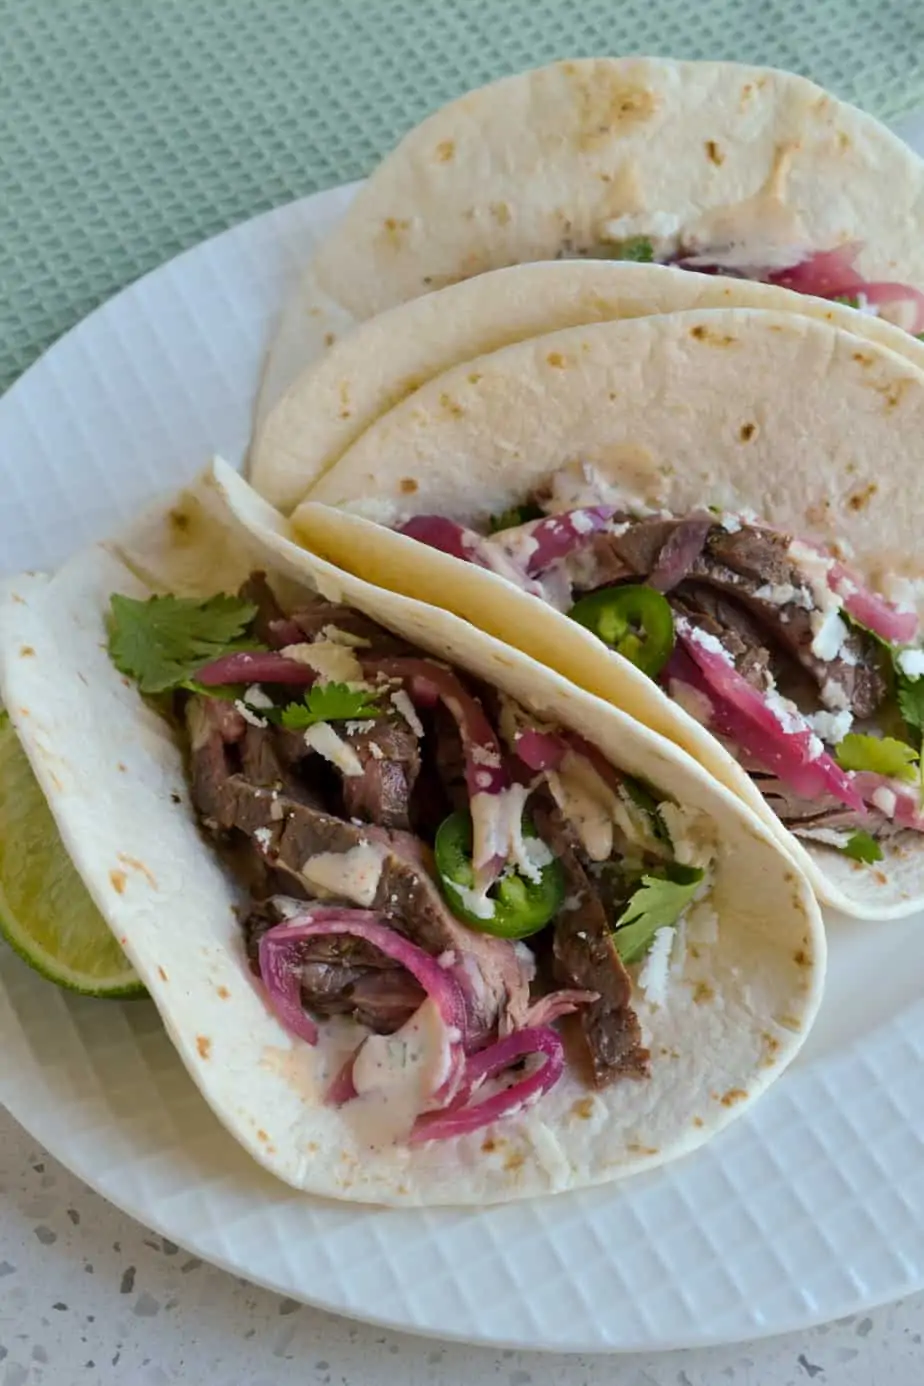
pixel 387 359
pixel 550 161
pixel 790 417
pixel 114 779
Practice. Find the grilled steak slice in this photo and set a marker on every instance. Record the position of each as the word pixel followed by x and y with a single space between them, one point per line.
pixel 586 959
pixel 314 619
pixel 271 625
pixel 341 975
pixel 737 630
pixel 390 754
pixel 388 871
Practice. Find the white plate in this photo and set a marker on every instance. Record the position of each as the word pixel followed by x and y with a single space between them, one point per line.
pixel 810 1207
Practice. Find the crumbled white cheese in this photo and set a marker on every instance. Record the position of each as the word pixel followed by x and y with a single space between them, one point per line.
pixel 816 747
pixel 352 875
pixel 376 750
pixel 264 837
pixel 486 755
pixel 778 594
pixel 730 523
pixel 829 633
pixel 692 834
pixel 336 636
pixel 357 728
pixel 785 711
pixel 653 977
pixel 582 523
pixel 885 800
pixel 287 907
pixel 323 739
pixel 834 695
pixel 661 228
pixel 815 568
pixel 401 702
pixel 249 715
pixel 332 663
pixel 255 697
pixel 832 726
pixel 709 642
pixel 911 662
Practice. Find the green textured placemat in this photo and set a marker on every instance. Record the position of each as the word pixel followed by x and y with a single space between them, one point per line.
pixel 130 129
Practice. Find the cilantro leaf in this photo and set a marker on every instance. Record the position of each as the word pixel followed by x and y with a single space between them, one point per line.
pixel 332 702
pixel 911 700
pixel 638 248
pixel 659 902
pixel 884 755
pixel 641 794
pixel 164 641
pixel 862 846
pixel 516 515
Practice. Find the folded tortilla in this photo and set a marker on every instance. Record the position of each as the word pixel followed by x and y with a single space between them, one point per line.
pixel 736 1011
pixel 751 167
pixel 741 410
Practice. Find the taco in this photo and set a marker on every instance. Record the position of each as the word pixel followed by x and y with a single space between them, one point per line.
pixel 426 923
pixel 730 500
pixel 715 167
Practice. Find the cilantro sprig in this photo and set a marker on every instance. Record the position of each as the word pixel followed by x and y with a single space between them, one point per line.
pixel 862 846
pixel 883 755
pixel 164 641
pixel 332 702
pixel 658 902
pixel 637 248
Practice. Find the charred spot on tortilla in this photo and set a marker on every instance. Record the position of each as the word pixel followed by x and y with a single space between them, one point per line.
pixel 204 1046
pixel 747 431
pixel 118 881
pixel 714 153
pixel 394 231
pixel 445 151
pixel 223 992
pixel 859 500
pixel 636 1148
pixel 500 211
pixel 702 333
pixel 733 1096
pixel 135 865
pixel 474 377
pixel 451 406
pixel 583 1108
pixel 407 485
pixel 26 651
pixel 175 798
pixel 556 360
pixel 121 767
pixel 329 338
pixel 179 520
pixel 162 974
pixel 801 958
pixel 703 993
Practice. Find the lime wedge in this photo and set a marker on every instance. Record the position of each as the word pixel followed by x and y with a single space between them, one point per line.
pixel 46 913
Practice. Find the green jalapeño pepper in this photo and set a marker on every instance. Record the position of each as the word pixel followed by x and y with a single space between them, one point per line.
pixel 518 907
pixel 635 621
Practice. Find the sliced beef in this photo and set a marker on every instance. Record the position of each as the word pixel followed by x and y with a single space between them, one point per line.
pixel 806 817
pixel 213 726
pixel 448 756
pixel 312 620
pixel 390 754
pixel 585 959
pixel 691 556
pixel 495 971
pixel 740 565
pixel 271 626
pixel 341 975
pixel 730 623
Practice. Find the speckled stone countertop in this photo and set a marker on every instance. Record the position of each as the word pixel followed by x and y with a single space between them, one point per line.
pixel 87 1297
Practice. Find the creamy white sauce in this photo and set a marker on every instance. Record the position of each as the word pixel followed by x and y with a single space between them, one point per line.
pixel 692 834
pixel 475 901
pixel 323 739
pixel 396 1076
pixel 353 875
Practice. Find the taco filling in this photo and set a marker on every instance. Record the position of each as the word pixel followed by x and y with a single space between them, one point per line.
pixel 420 855
pixel 822 273
pixel 810 678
